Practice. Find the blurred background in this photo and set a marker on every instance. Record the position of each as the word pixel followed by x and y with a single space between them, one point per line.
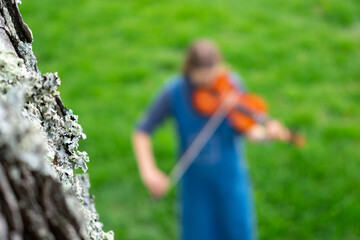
pixel 303 56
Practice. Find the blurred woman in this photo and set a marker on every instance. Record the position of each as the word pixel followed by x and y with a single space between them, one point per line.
pixel 215 192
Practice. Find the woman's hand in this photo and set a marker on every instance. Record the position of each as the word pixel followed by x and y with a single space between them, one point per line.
pixel 277 131
pixel 156 181
pixel 273 130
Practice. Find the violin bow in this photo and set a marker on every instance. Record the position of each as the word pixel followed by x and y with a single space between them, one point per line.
pixel 200 140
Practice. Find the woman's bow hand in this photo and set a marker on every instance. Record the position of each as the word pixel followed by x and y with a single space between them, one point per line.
pixel 156 182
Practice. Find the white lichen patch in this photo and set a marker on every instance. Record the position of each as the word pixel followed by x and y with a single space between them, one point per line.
pixel 43 134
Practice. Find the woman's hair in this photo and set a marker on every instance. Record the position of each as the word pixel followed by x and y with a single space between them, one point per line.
pixel 202 53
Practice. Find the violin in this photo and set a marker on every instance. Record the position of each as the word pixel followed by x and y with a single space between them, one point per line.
pixel 248 110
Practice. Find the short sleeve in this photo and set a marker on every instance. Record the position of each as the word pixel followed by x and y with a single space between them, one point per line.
pixel 238 81
pixel 159 110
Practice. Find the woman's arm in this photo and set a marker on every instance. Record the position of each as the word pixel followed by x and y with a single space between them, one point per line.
pixel 153 178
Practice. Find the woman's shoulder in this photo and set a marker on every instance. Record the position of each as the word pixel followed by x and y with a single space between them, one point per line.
pixel 237 80
pixel 174 81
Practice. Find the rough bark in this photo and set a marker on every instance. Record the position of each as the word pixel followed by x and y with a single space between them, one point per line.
pixel 40 196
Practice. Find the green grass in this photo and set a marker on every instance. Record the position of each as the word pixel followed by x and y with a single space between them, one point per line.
pixel 303 56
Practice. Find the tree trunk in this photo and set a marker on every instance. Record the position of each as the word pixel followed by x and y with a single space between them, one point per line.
pixel 40 196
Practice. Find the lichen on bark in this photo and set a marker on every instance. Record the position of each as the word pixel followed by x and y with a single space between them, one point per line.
pixel 38 147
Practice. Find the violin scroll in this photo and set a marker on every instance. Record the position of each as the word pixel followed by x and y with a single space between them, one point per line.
pixel 297 139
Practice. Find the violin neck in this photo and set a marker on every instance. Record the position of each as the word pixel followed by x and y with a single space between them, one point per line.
pixel 258 117
pixel 293 138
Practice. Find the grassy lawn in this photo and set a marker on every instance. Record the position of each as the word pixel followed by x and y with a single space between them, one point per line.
pixel 303 56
